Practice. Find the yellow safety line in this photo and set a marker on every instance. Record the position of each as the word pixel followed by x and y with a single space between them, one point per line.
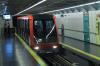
pixel 33 53
pixel 80 51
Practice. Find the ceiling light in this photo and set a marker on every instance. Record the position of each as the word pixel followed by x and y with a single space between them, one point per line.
pixel 71 7
pixel 30 7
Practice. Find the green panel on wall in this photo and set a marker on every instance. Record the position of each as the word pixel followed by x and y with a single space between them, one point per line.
pixel 86 28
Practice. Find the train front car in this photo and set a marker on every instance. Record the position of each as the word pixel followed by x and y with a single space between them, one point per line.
pixel 45 34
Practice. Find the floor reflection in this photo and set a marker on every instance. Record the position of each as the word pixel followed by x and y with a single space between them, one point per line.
pixel 8 52
pixel 87 47
pixel 84 46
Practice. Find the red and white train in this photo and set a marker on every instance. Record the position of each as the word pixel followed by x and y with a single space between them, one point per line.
pixel 39 31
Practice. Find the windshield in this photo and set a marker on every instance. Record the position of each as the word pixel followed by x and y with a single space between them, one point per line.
pixel 45 31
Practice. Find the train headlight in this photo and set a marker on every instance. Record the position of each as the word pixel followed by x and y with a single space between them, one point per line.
pixel 55 47
pixel 36 48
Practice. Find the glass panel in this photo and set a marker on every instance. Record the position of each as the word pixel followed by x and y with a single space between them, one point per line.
pixel 44 31
pixel 51 34
pixel 27 31
pixel 38 29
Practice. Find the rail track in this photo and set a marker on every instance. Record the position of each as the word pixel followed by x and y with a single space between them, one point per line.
pixel 57 60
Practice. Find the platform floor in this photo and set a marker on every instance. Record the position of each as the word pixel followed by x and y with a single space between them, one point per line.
pixel 13 53
pixel 89 51
pixel 84 46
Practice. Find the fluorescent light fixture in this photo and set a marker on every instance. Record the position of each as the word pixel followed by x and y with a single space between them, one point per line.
pixel 30 7
pixel 5 10
pixel 24 17
pixel 71 7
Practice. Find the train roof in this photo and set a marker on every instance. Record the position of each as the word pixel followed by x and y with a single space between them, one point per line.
pixel 43 16
pixel 37 16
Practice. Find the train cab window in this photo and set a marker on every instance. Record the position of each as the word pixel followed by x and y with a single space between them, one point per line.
pixel 50 31
pixel 49 25
pixel 38 26
pixel 45 30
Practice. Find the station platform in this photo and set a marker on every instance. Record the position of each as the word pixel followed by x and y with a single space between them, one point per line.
pixel 86 50
pixel 13 53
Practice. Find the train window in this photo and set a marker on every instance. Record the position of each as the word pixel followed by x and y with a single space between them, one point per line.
pixel 35 22
pixel 51 34
pixel 38 26
pixel 49 25
pixel 45 30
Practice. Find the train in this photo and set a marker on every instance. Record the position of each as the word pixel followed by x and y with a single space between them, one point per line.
pixel 40 32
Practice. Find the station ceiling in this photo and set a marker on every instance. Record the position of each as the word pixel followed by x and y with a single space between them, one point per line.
pixel 16 6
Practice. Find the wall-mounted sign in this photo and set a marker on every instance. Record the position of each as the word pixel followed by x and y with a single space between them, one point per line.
pixel 6 17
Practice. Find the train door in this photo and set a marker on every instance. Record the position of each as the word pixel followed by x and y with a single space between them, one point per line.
pixel 18 27
pixel 23 28
pixel 27 31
